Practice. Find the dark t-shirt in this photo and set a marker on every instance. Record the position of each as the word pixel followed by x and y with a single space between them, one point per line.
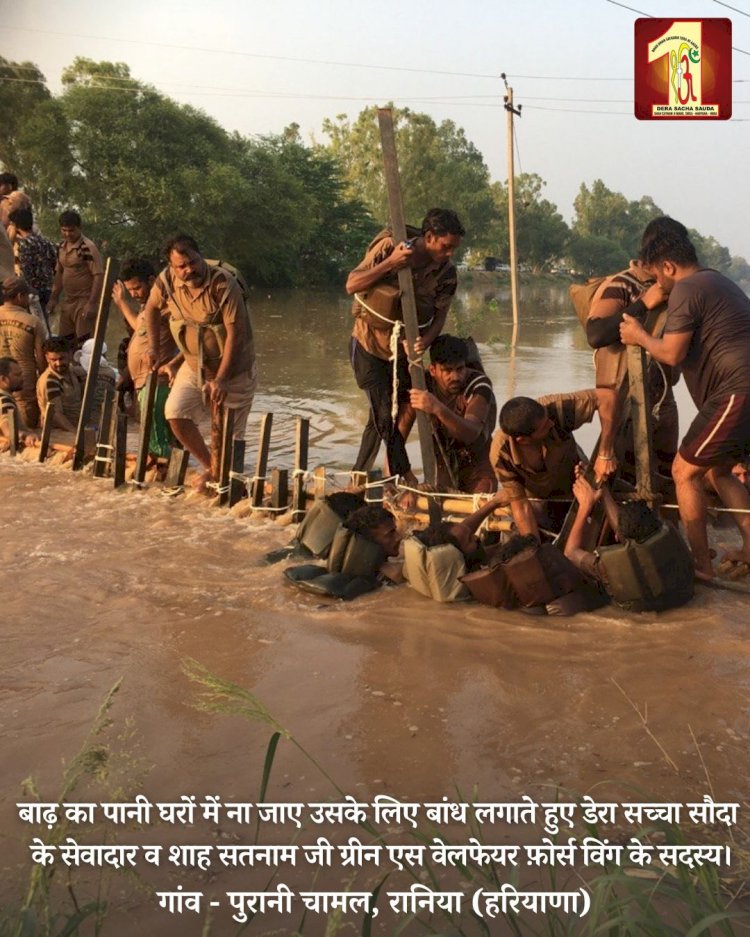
pixel 717 312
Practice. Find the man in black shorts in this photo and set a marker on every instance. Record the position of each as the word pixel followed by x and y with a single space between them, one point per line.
pixel 708 335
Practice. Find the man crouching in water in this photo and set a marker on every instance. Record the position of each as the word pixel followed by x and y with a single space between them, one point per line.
pixel 650 569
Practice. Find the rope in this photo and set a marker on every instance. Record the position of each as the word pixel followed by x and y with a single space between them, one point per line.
pixel 395 339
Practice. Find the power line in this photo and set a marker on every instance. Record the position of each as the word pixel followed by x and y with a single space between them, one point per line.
pixel 252 55
pixel 736 10
pixel 651 17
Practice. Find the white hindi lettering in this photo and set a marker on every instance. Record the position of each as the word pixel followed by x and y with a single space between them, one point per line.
pixel 393 812
pixel 422 898
pixel 38 814
pixel 281 813
pixel 258 902
pixel 709 812
pixel 79 813
pixel 178 901
pixel 556 815
pixel 182 812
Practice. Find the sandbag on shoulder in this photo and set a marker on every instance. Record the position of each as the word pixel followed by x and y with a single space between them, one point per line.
pixel 435 571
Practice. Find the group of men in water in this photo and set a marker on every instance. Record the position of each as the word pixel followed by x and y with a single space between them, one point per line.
pixel 190 324
pixel 703 334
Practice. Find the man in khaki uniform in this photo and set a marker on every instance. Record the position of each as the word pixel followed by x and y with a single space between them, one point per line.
pixel 11 382
pixel 211 325
pixel 60 385
pixel 78 276
pixel 22 338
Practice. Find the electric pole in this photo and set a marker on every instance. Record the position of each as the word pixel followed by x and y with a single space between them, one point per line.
pixel 512 208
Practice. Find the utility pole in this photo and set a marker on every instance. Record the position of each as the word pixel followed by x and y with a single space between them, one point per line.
pixel 512 207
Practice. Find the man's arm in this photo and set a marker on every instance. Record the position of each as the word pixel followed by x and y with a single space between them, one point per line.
pixel 463 428
pixel 151 316
pixel 235 318
pixel 56 286
pixel 124 303
pixel 670 349
pixel 474 521
pixel 524 517
pixel 587 498
pixel 96 269
pixel 606 400
pixel 368 274
pixel 602 326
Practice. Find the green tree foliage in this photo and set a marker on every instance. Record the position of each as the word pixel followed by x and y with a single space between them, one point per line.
pixel 541 232
pixel 438 166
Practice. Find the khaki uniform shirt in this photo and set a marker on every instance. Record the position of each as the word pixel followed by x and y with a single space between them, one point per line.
pixel 559 451
pixel 217 300
pixel 138 346
pixel 65 392
pixel 80 262
pixel 21 334
pixel 434 288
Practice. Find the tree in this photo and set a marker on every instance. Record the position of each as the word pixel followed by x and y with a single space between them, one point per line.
pixel 439 167
pixel 541 232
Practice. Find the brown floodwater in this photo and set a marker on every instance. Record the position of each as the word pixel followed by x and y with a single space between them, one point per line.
pixel 392 694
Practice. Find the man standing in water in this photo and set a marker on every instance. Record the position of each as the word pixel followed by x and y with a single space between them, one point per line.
pixel 374 285
pixel 79 275
pixel 211 326
pixel 708 335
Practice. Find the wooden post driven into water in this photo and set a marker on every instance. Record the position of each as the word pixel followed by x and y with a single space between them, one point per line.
pixel 301 448
pixel 406 285
pixel 49 418
pixel 111 272
pixel 642 420
pixel 121 449
pixel 259 483
pixel 103 456
pixel 225 459
pixel 147 421
pixel 512 111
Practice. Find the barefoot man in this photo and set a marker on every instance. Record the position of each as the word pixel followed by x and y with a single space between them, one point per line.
pixel 708 335
pixel 211 325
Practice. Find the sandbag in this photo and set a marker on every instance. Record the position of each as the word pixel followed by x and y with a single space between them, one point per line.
pixel 491 586
pixel 435 571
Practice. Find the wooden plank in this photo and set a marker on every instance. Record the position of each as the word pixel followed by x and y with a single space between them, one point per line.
pixel 49 419
pixel 301 447
pixel 217 437
pixel 406 285
pixel 121 450
pixel 237 488
pixel 376 493
pixel 103 455
pixel 279 488
pixel 225 455
pixel 111 272
pixel 11 415
pixel 319 482
pixel 177 468
pixel 642 419
pixel 264 444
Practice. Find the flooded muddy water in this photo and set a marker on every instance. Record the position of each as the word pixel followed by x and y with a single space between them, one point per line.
pixel 392 694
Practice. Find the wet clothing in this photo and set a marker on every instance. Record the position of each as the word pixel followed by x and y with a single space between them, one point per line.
pixel 717 365
pixel 7 263
pixel 7 404
pixel 370 353
pixel 720 433
pixel 35 260
pixel 203 310
pixel 434 288
pixel 611 365
pixel 559 450
pixel 138 348
pixel 465 466
pixel 198 315
pixel 375 376
pixel 80 263
pixel 21 336
pixel 65 392
pixel 186 399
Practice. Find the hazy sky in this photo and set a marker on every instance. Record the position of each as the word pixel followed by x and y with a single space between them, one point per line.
pixel 570 65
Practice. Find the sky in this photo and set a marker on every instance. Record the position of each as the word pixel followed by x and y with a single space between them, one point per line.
pixel 258 66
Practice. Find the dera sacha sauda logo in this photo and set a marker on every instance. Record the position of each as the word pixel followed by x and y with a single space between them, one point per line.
pixel 683 69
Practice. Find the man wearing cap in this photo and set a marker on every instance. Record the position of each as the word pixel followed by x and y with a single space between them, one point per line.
pixel 22 338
